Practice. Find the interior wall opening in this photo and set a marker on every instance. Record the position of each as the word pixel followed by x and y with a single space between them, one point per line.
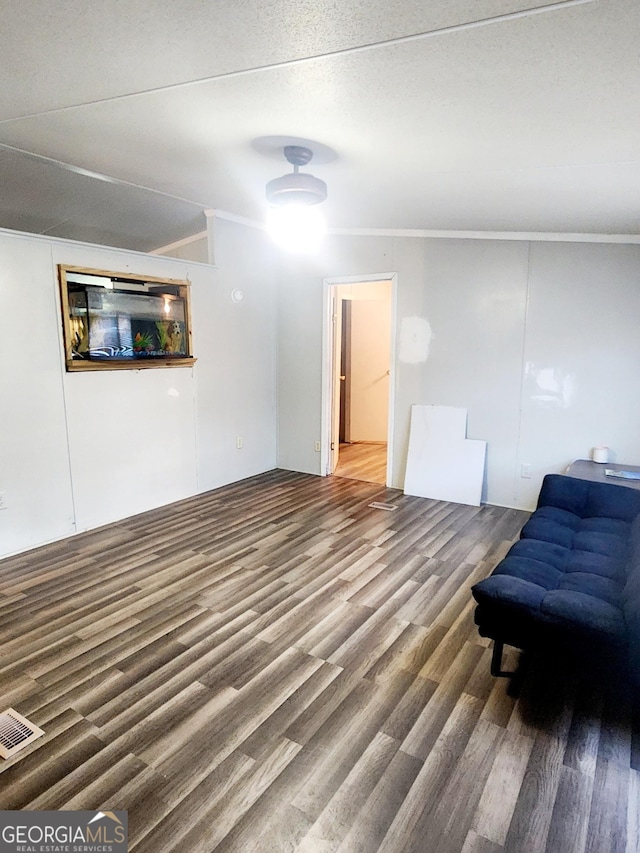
pixel 361 327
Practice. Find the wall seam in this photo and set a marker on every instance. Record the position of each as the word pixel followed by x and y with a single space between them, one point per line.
pixel 63 368
pixel 522 375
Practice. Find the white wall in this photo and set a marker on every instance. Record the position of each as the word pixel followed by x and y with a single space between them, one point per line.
pixel 498 316
pixel 475 295
pixel 581 372
pixel 236 369
pixel 79 450
pixel 370 362
pixel 34 465
pixel 300 313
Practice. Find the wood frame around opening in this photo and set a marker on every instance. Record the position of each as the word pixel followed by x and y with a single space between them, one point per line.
pixel 72 365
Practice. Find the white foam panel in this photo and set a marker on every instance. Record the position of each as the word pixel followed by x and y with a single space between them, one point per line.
pixel 442 462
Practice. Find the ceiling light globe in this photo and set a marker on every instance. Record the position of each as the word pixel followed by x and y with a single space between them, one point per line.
pixel 299 229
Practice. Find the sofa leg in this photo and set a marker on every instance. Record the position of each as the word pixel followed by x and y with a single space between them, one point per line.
pixel 496 661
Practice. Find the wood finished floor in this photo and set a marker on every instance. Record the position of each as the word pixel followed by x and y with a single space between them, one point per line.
pixel 363 461
pixel 275 666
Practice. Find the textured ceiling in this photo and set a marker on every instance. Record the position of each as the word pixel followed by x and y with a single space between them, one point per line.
pixel 524 122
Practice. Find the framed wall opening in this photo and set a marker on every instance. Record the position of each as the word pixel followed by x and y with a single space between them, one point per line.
pixel 115 321
pixel 358 377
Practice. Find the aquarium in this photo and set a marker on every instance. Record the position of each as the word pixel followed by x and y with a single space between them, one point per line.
pixel 121 324
pixel 115 321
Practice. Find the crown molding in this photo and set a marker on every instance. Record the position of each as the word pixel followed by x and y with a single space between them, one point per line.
pixel 527 236
pixel 177 244
pixel 233 217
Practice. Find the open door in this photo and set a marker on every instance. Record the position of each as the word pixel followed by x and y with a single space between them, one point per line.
pixel 344 432
pixel 360 380
pixel 336 382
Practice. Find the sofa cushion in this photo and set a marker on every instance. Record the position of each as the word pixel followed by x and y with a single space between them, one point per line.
pixel 587 499
pixel 517 593
pixel 548 530
pixel 560 516
pixel 535 571
pixel 586 614
pixel 548 552
pixel 602 543
pixel 587 583
pixel 613 526
pixel 612 501
pixel 567 493
pixel 596 564
pixel 632 601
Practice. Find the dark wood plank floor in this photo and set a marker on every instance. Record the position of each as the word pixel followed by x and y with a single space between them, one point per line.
pixel 363 460
pixel 275 666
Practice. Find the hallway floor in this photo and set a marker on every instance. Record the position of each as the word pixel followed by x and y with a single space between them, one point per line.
pixel 363 461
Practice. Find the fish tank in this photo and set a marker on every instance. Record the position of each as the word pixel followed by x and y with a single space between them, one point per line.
pixel 122 321
pixel 108 324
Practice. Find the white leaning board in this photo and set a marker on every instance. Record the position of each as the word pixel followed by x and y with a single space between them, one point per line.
pixel 442 462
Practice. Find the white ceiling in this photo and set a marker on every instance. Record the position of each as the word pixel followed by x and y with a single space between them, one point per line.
pixel 523 122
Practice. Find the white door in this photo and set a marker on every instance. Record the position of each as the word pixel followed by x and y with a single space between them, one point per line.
pixel 336 315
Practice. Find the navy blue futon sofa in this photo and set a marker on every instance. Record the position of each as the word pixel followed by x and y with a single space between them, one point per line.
pixel 572 578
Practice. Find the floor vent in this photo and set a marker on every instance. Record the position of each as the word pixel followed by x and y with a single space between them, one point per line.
pixel 387 507
pixel 16 732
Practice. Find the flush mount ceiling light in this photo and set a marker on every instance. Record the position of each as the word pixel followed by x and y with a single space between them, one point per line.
pixel 296 187
pixel 293 221
pixel 295 228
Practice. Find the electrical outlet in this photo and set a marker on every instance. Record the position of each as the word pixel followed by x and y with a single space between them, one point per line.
pixel 239 444
pixel 525 470
pixel 3 500
pixel 317 446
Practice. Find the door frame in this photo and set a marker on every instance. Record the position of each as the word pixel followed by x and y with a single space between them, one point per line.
pixel 329 367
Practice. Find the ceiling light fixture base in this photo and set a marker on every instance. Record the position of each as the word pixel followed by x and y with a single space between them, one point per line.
pixel 298 155
pixel 297 187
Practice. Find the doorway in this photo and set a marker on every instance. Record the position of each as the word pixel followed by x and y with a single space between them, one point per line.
pixel 358 378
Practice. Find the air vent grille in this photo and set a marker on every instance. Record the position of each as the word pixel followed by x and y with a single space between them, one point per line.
pixel 380 505
pixel 16 732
